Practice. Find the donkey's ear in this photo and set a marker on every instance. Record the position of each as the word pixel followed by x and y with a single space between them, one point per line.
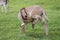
pixel 22 9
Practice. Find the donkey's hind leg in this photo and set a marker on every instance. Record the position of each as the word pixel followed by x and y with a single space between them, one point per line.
pixel 45 26
pixel 4 8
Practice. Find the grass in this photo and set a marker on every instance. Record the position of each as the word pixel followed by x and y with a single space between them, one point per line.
pixel 10 25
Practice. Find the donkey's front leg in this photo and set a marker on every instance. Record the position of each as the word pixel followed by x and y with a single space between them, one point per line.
pixel 34 22
pixel 23 27
pixel 33 25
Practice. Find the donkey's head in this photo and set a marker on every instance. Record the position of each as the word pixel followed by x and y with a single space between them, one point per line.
pixel 23 13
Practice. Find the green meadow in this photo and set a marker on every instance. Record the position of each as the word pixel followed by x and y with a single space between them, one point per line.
pixel 10 25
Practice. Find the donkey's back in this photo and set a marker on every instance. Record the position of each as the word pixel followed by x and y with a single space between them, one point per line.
pixel 36 9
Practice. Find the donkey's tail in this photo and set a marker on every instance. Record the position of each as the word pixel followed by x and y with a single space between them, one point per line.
pixel 45 16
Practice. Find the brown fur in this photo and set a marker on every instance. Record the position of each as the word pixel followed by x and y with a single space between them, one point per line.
pixel 33 14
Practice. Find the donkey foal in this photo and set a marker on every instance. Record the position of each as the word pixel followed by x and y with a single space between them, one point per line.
pixel 3 3
pixel 33 14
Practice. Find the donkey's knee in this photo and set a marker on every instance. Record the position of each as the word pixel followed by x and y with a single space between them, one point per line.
pixel 23 26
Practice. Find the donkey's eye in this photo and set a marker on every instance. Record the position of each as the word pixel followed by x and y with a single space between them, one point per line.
pixel 26 16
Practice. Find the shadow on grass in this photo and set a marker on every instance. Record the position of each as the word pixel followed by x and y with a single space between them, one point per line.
pixel 41 35
pixel 36 33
